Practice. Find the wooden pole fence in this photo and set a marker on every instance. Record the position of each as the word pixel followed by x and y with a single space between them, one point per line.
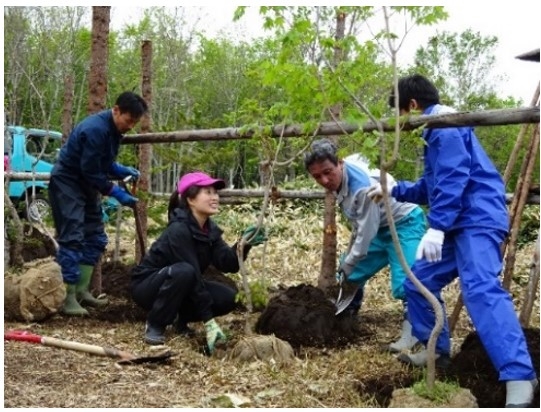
pixel 497 117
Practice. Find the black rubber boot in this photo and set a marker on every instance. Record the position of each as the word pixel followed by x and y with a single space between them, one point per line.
pixel 154 335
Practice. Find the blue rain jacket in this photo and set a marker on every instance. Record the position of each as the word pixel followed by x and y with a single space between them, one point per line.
pixel 460 184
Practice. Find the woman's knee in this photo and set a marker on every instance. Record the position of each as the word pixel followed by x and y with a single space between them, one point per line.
pixel 182 272
pixel 224 299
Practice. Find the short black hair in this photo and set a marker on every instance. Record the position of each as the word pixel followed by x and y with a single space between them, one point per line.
pixel 415 87
pixel 321 150
pixel 132 103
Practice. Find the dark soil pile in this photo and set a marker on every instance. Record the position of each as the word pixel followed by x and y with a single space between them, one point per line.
pixel 304 316
pixel 472 368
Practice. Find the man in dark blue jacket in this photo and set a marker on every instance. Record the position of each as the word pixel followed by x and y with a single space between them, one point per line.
pixel 81 174
pixel 468 221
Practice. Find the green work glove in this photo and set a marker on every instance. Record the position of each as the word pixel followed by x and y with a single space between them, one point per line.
pixel 214 334
pixel 256 240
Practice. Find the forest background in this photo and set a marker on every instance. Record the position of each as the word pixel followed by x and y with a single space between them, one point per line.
pixel 203 81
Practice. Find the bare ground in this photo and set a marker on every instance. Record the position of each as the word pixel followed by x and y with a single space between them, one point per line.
pixel 353 370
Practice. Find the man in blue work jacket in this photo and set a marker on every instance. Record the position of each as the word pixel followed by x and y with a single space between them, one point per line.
pixel 81 174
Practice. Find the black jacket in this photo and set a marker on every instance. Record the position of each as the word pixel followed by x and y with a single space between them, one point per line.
pixel 184 241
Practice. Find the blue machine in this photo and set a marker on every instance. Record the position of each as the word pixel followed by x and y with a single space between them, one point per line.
pixel 23 147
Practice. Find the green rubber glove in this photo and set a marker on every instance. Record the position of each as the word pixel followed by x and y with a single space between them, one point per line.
pixel 214 334
pixel 258 239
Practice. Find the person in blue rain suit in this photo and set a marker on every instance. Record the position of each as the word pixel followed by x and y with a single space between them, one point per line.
pixel 371 246
pixel 79 177
pixel 468 221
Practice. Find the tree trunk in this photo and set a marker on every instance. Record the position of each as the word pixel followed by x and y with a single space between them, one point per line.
pixel 97 83
pixel 327 276
pixel 67 117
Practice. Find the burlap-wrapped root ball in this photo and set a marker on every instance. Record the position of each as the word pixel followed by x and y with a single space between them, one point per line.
pixel 34 295
pixel 266 348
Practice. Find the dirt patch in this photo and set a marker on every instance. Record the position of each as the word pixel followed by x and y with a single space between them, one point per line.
pixel 333 366
pixel 304 316
pixel 472 368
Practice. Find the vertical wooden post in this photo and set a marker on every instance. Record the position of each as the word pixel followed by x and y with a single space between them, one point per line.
pixel 145 149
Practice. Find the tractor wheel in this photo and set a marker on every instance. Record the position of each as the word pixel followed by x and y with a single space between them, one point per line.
pixel 38 208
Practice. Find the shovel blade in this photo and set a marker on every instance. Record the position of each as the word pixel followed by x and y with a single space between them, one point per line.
pixel 162 357
pixel 345 296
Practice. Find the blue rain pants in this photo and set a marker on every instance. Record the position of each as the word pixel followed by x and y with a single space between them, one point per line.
pixel 473 255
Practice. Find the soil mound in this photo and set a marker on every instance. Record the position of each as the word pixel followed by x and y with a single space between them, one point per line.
pixel 304 316
pixel 472 368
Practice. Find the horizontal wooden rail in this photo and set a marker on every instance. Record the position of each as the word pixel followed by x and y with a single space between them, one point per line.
pixel 496 117
pixel 232 193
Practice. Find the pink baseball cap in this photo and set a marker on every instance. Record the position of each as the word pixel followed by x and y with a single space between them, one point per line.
pixel 198 179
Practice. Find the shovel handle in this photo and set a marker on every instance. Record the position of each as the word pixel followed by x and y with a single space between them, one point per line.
pixel 23 336
pixel 66 344
pixel 133 181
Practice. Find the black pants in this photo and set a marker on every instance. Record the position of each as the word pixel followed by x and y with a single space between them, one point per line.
pixel 170 292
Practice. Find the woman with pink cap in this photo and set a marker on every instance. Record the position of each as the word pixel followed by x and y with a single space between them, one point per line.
pixel 168 283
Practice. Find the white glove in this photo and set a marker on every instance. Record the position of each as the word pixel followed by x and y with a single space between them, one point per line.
pixel 375 192
pixel 430 246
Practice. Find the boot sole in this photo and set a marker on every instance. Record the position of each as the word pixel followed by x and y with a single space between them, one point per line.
pixel 94 304
pixel 85 313
pixel 443 362
pixel 395 350
pixel 156 342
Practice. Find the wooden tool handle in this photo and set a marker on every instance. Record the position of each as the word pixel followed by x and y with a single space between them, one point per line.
pixel 85 347
pixel 25 336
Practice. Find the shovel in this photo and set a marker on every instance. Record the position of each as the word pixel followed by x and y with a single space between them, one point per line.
pixel 125 357
pixel 345 295
pixel 138 226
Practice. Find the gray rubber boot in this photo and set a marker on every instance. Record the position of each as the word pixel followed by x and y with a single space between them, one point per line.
pixel 71 306
pixel 519 393
pixel 154 335
pixel 406 341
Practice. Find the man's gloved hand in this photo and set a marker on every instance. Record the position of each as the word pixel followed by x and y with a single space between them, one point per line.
pixel 345 269
pixel 214 334
pixel 123 196
pixel 430 246
pixel 375 192
pixel 256 240
pixel 340 277
pixel 122 171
